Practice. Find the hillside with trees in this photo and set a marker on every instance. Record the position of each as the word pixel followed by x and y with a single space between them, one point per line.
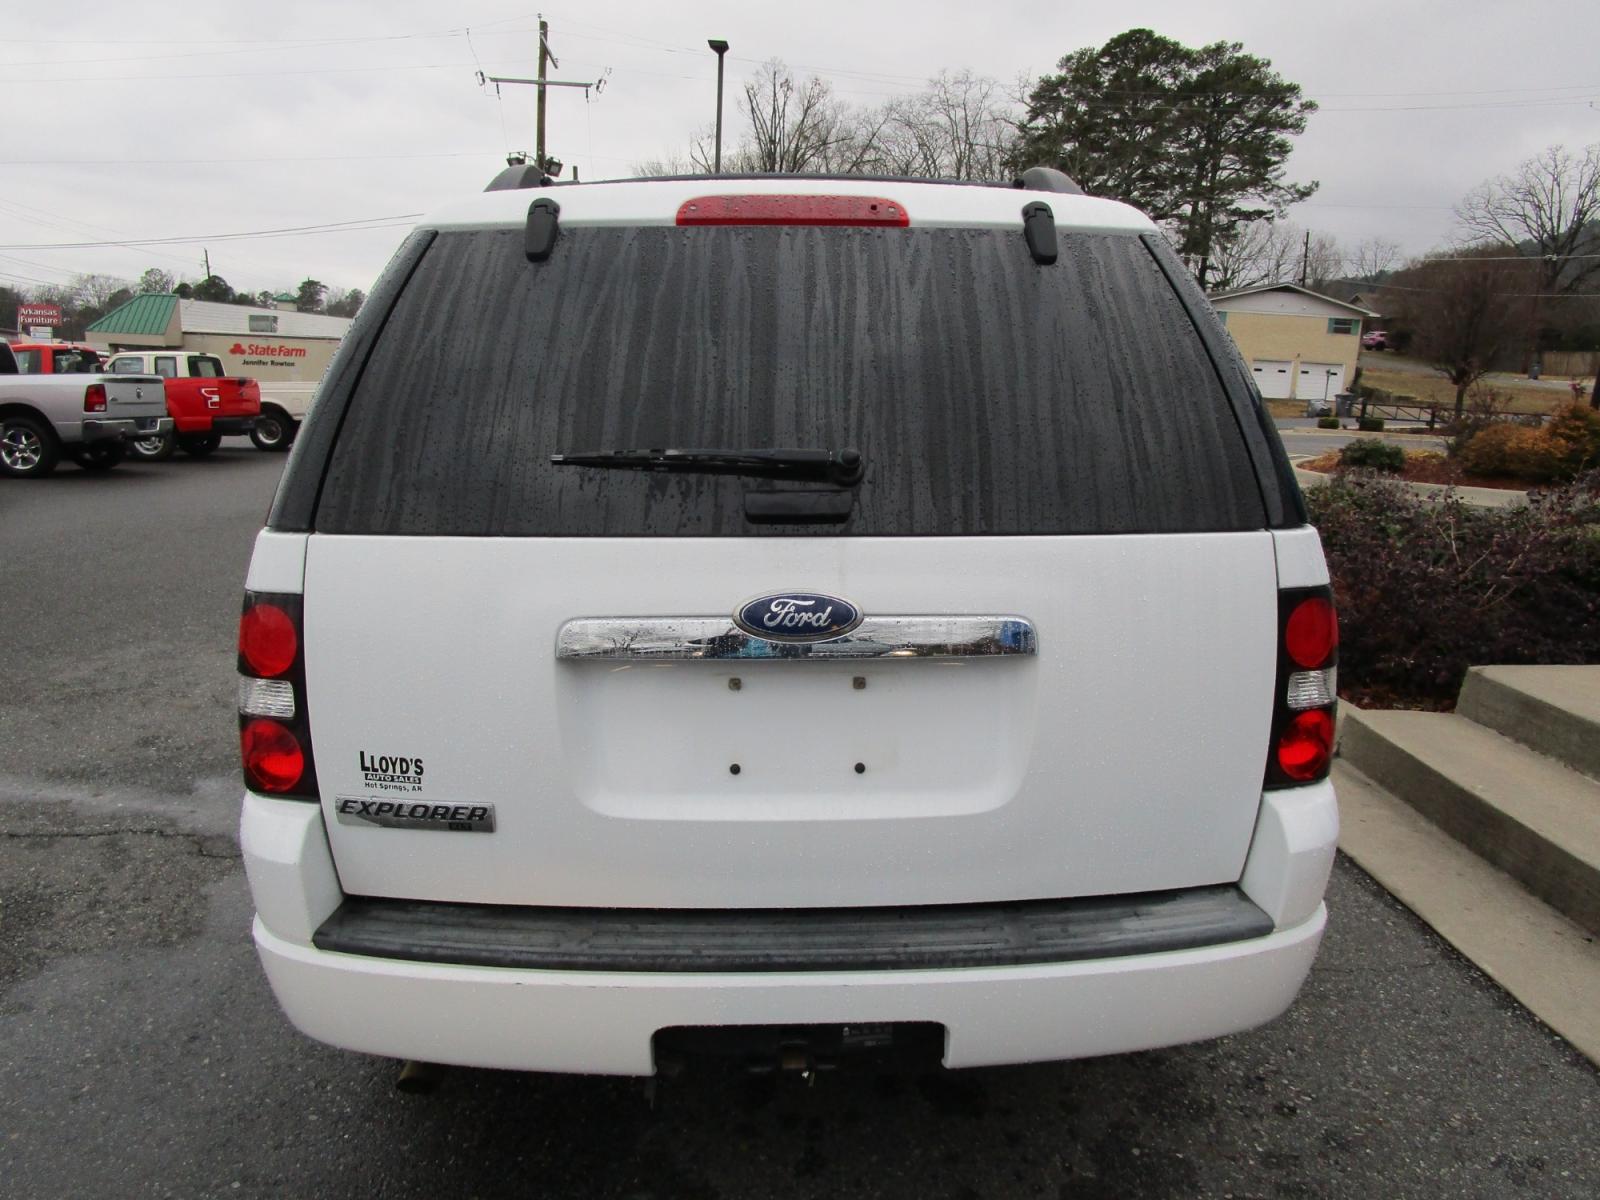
pixel 87 298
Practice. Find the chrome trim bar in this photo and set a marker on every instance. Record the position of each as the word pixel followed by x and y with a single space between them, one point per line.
pixel 645 639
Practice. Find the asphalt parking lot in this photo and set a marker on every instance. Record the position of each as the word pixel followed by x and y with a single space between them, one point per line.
pixel 142 1055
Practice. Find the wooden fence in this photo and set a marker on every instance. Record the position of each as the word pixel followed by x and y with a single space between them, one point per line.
pixel 1582 363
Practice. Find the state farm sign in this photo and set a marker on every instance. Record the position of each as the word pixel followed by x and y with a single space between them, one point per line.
pixel 29 315
pixel 267 350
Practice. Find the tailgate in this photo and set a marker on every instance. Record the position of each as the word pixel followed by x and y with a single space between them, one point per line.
pixel 1125 755
pixel 230 397
pixel 134 396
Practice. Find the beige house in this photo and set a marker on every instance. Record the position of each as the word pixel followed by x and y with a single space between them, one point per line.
pixel 1300 345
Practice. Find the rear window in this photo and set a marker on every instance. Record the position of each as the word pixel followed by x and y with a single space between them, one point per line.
pixel 990 395
pixel 205 368
pixel 76 362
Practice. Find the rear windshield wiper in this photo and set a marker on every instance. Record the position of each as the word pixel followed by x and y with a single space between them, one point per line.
pixel 842 467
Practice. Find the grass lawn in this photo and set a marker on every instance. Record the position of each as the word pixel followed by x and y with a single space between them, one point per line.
pixel 1516 393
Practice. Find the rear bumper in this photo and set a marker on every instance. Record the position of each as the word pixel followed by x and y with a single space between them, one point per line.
pixel 122 428
pixel 603 1022
pixel 206 423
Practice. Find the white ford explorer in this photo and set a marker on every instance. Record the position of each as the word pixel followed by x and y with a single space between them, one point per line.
pixel 800 612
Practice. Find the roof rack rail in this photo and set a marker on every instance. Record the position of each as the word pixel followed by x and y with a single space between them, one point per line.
pixel 1047 179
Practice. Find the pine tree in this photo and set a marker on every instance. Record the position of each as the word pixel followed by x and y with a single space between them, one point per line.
pixel 1197 138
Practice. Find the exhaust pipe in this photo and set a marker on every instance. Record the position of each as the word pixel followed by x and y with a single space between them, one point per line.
pixel 419 1078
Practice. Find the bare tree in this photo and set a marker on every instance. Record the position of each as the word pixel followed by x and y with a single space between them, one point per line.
pixel 96 291
pixel 1322 260
pixel 1276 252
pixel 793 127
pixel 1548 211
pixel 652 168
pixel 962 126
pixel 1463 312
pixel 1257 253
pixel 1373 257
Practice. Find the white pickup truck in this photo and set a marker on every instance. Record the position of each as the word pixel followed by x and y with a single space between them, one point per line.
pixel 284 405
pixel 89 418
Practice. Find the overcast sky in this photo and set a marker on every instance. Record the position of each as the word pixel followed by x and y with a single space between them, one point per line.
pixel 195 120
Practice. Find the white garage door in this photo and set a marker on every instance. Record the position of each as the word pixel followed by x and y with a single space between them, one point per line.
pixel 1320 381
pixel 1272 378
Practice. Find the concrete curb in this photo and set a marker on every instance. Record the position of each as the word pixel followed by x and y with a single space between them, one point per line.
pixel 1479 497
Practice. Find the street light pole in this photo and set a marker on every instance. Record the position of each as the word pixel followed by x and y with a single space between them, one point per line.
pixel 721 48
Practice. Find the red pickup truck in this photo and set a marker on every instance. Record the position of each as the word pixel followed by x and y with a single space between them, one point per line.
pixel 56 358
pixel 203 403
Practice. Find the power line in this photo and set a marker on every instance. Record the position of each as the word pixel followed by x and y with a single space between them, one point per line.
pixel 1399 287
pixel 171 78
pixel 44 220
pixel 39 265
pixel 210 41
pixel 304 44
pixel 350 226
pixel 1505 257
pixel 173 162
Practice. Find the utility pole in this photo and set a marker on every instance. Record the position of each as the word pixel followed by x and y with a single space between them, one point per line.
pixel 1305 259
pixel 542 82
pixel 207 253
pixel 545 57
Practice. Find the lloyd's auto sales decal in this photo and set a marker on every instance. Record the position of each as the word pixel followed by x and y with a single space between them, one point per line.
pixel 403 773
pixel 391 773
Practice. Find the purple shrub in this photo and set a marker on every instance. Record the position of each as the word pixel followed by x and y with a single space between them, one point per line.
pixel 1427 588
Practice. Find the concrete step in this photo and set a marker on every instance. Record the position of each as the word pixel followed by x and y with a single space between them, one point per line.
pixel 1532 817
pixel 1555 710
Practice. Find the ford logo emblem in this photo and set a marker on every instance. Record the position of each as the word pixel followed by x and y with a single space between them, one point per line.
pixel 797 617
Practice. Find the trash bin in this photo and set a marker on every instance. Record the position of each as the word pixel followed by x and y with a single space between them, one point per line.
pixel 1346 402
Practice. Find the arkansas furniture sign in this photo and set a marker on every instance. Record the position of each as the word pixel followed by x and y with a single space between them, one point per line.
pixel 29 315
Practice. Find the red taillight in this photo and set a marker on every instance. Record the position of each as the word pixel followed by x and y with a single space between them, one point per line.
pixel 1311 634
pixel 1306 745
pixel 1303 709
pixel 273 759
pixel 869 211
pixel 274 727
pixel 267 640
pixel 94 398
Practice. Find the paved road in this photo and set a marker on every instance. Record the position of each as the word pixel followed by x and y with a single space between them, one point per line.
pixel 1302 437
pixel 141 1054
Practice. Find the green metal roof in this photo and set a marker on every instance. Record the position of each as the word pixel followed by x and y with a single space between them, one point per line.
pixel 148 315
pixel 286 296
